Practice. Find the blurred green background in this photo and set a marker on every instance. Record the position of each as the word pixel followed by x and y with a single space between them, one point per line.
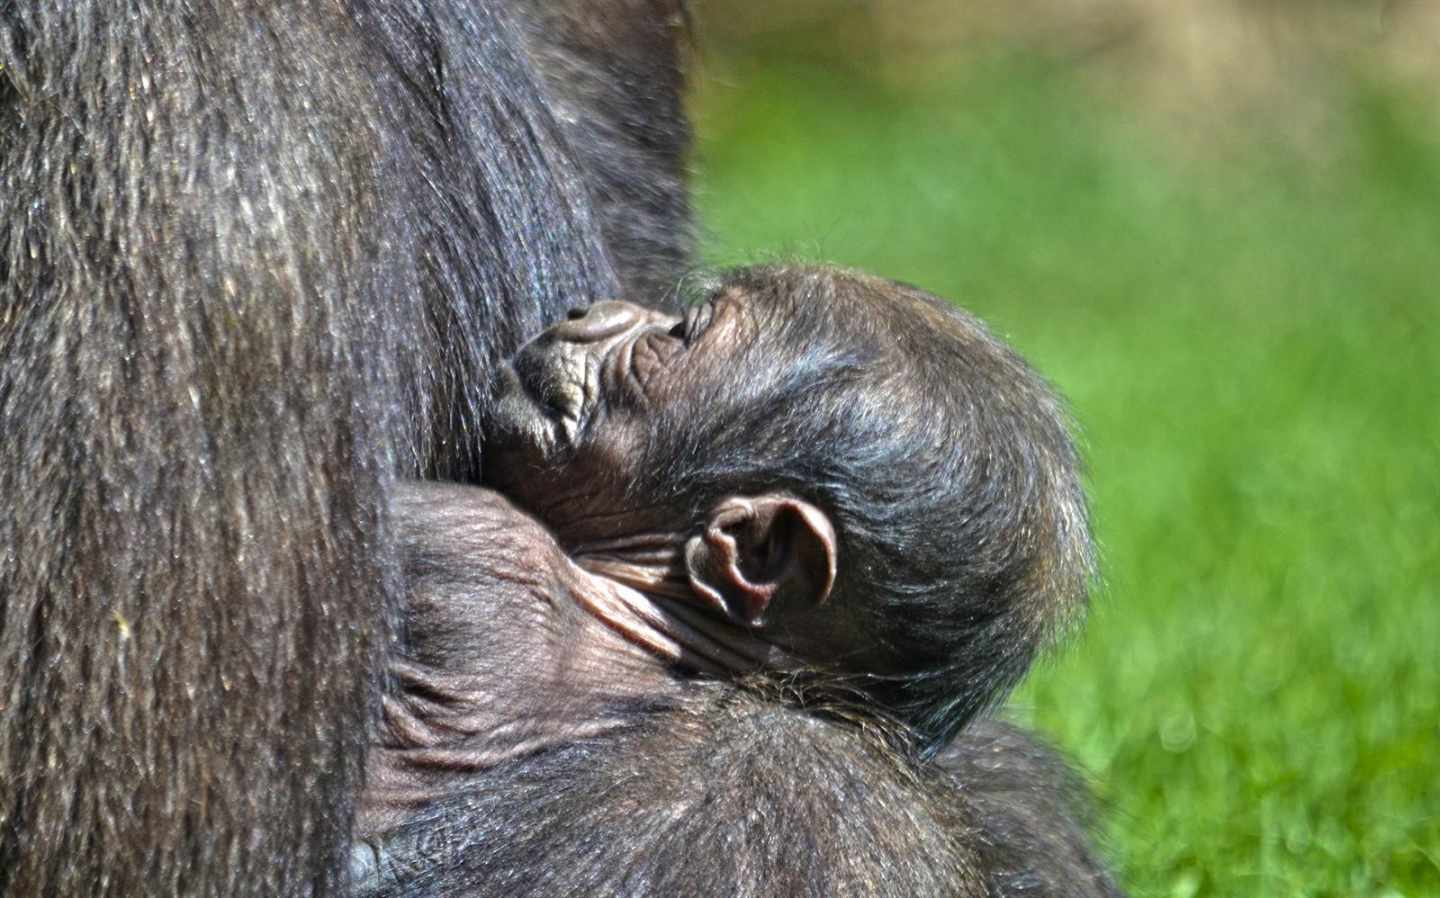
pixel 1216 226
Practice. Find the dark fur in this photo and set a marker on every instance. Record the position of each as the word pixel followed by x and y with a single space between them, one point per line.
pixel 944 460
pixel 1031 814
pixel 255 260
pixel 722 792
pixel 617 74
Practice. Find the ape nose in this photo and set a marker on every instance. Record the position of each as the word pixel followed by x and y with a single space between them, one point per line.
pixel 600 321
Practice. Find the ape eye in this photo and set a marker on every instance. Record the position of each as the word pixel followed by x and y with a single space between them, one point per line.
pixel 697 318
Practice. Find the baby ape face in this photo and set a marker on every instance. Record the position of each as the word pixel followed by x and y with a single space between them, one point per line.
pixel 593 413
pixel 579 402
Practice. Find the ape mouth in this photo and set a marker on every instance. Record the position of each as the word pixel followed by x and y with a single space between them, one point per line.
pixel 558 384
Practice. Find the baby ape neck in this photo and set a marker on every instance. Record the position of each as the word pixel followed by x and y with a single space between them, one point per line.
pixel 636 585
pixel 514 645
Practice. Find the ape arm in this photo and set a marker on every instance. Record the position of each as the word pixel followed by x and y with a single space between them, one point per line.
pixel 720 790
pixel 498 659
pixel 710 791
pixel 195 409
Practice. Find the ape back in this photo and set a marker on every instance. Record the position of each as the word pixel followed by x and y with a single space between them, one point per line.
pixel 255 260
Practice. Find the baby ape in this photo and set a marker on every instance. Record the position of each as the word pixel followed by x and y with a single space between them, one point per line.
pixel 839 465
pixel 817 482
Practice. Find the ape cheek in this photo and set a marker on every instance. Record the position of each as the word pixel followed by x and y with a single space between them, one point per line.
pixel 592 491
pixel 652 360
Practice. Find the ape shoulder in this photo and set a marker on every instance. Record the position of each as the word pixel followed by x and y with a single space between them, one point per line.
pixel 1031 812
pixel 470 559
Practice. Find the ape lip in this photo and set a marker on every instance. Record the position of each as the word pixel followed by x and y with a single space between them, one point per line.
pixel 557 394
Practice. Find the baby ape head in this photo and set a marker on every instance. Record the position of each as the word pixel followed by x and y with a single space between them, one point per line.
pixel 845 465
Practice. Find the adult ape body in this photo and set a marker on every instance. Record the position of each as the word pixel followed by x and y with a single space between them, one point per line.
pixel 256 260
pixel 820 481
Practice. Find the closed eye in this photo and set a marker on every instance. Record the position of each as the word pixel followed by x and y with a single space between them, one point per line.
pixel 650 354
pixel 697 318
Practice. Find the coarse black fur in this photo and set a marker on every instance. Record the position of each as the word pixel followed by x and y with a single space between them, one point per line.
pixel 724 792
pixel 255 260
pixel 944 461
pixel 616 72
pixel 1032 816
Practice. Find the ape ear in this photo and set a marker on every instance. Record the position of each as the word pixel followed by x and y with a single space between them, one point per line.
pixel 755 550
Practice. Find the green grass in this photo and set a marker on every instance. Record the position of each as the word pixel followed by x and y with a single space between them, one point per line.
pixel 1251 343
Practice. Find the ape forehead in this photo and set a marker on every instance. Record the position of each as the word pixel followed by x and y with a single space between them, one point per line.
pixel 802 314
pixel 840 296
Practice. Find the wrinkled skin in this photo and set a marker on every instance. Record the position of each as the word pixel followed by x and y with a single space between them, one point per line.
pixel 681 451
pixel 572 410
